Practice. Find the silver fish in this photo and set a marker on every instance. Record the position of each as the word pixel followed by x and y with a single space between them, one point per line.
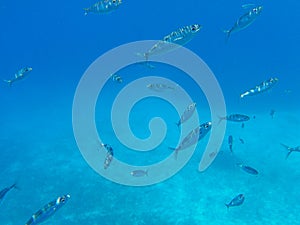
pixel 245 20
pixel 139 173
pixel 109 155
pixel 236 201
pixel 291 149
pixel 19 75
pixel 4 191
pixel 48 210
pixel 188 112
pixel 116 78
pixel 193 137
pixel 235 118
pixel 174 40
pixel 262 87
pixel 247 169
pixel 103 6
pixel 160 87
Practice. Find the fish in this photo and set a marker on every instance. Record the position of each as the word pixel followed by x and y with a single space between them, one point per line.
pixel 188 112
pixel 4 191
pixel 160 87
pixel 290 149
pixel 243 125
pixel 272 113
pixel 109 155
pixel 236 201
pixel 235 118
pixel 248 169
pixel 244 21
pixel 116 78
pixel 103 7
pixel 139 173
pixel 48 210
pixel 19 75
pixel 242 140
pixel 193 137
pixel 173 40
pixel 230 142
pixel 262 87
pixel 246 6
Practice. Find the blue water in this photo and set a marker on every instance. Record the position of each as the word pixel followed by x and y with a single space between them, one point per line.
pixel 38 150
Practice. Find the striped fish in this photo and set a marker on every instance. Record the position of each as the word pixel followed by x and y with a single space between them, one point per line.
pixel 19 75
pixel 193 137
pixel 245 20
pixel 262 87
pixel 235 118
pixel 188 112
pixel 247 169
pixel 48 210
pixel 103 6
pixel 109 155
pixel 172 41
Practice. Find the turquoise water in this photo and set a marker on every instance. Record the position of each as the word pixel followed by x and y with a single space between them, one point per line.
pixel 39 151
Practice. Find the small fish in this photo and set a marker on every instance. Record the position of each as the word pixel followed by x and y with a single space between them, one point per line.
pixel 48 210
pixel 291 149
pixel 243 125
pixel 4 191
pixel 188 112
pixel 103 7
pixel 241 140
pixel 244 21
pixel 262 87
pixel 247 169
pixel 272 113
pixel 139 173
pixel 193 137
pixel 109 155
pixel 235 118
pixel 236 201
pixel 160 87
pixel 230 142
pixel 19 75
pixel 116 78
pixel 174 40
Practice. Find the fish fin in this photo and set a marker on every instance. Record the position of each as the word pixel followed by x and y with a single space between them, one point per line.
pixel 86 11
pixel 178 124
pixel 227 205
pixel 146 172
pixel 288 154
pixel 227 32
pixel 9 82
pixel 285 146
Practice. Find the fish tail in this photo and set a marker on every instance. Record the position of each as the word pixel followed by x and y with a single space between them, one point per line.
pixel 220 119
pixel 287 148
pixel 227 205
pixel 176 151
pixel 9 82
